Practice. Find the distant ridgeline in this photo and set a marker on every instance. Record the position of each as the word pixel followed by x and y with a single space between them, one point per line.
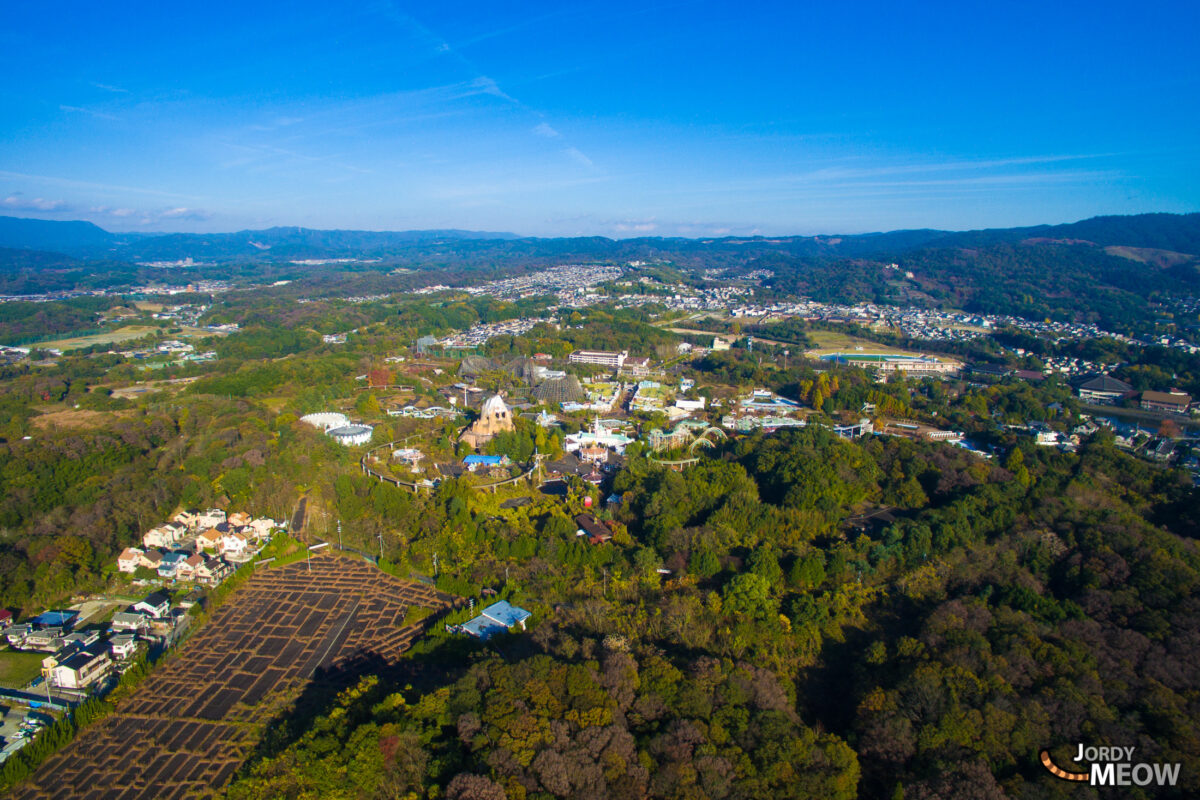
pixel 1107 267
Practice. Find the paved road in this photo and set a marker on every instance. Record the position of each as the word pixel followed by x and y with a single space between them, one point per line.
pixel 298 519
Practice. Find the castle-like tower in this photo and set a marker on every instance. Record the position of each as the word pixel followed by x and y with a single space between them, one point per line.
pixel 494 418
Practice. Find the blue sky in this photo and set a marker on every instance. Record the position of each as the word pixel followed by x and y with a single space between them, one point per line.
pixel 603 118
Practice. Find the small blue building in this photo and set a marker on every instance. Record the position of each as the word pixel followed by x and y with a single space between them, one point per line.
pixel 474 462
pixel 496 618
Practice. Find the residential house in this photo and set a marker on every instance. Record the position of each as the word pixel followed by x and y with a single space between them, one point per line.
pixel 130 559
pixel 186 569
pixel 208 540
pixel 6 618
pixel 46 639
pixel 189 517
pixel 595 530
pixel 210 518
pixel 80 669
pixel 17 633
pixel 212 571
pixel 234 544
pixel 150 559
pixel 160 536
pixel 170 564
pixel 262 527
pixel 498 617
pixel 123 646
pixel 129 620
pixel 156 604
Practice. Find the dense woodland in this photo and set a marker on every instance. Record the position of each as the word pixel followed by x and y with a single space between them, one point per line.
pixel 1009 607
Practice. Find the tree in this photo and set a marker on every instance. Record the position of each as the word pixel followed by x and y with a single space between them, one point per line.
pixel 749 595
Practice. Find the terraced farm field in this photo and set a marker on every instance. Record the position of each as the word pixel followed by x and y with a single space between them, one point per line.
pixel 193 721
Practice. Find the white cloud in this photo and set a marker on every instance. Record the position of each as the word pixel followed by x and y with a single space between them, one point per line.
pixel 18 202
pixel 635 226
pixel 543 129
pixel 119 213
pixel 184 213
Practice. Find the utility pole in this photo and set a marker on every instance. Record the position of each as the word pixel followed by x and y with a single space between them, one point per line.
pixel 381 545
pixel 340 535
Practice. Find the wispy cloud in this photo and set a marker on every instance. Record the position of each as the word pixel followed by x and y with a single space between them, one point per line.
pixel 578 157
pixel 52 180
pixel 544 129
pixel 148 218
pixel 634 226
pixel 115 213
pixel 109 88
pixel 267 156
pixel 89 111
pixel 18 202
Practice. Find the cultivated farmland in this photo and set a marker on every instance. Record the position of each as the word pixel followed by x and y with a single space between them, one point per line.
pixel 193 721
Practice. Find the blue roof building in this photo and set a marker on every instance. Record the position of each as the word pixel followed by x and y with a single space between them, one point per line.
pixel 496 618
pixel 55 619
pixel 474 462
pixel 487 461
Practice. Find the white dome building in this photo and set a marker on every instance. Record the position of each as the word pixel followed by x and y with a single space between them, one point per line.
pixel 351 434
pixel 326 420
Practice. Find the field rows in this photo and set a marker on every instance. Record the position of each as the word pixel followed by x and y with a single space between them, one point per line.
pixel 186 731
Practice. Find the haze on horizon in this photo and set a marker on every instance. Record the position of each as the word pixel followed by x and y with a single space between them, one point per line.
pixel 613 119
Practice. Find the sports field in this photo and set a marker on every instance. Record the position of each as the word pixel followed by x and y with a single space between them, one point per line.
pixel 829 342
pixel 123 334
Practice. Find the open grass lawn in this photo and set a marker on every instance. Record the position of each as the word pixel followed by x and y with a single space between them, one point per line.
pixel 834 342
pixel 17 669
pixel 122 334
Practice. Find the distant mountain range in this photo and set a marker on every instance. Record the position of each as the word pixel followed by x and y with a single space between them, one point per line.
pixel 86 240
pixel 1120 271
pixel 1178 233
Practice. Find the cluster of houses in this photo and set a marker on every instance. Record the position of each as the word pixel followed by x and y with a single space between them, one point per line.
pixel 82 659
pixel 198 546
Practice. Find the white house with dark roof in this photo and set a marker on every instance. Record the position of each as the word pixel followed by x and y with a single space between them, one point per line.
pixel 156 604
pixel 81 669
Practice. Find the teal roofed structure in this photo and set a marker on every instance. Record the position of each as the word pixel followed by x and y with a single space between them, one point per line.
pixel 497 617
